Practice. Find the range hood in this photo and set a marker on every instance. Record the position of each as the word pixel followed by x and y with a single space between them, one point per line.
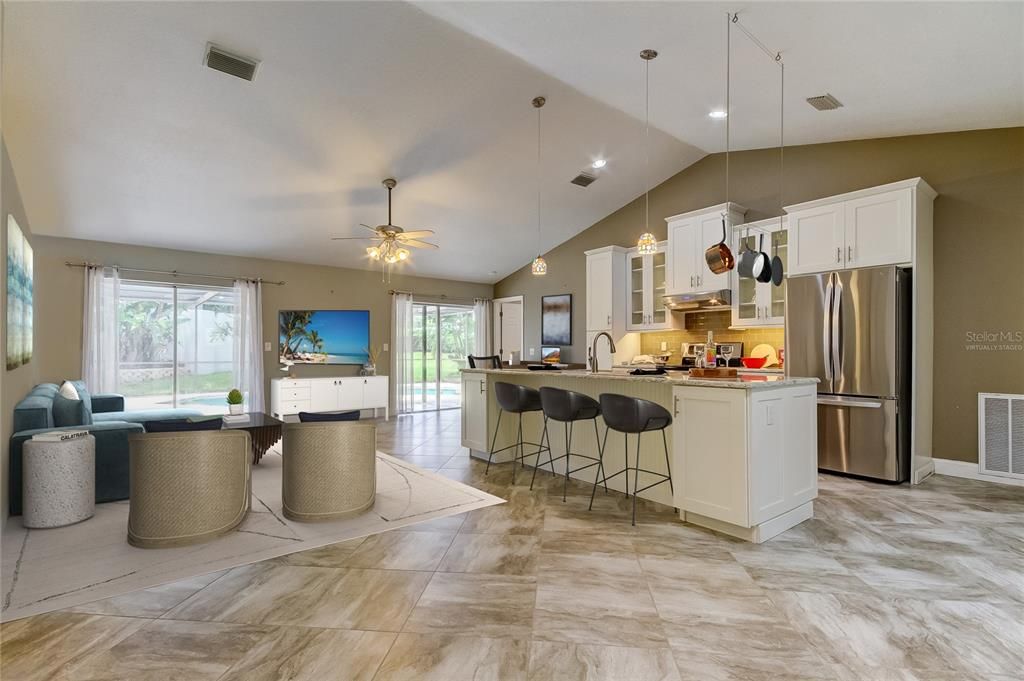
pixel 705 300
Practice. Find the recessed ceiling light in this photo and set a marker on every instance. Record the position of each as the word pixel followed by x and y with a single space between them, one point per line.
pixel 718 114
pixel 598 164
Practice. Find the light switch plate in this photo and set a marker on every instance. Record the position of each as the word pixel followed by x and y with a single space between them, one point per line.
pixel 267 347
pixel 384 348
pixel 532 352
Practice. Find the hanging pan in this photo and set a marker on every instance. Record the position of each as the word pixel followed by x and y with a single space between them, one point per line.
pixel 762 269
pixel 777 272
pixel 745 265
pixel 718 256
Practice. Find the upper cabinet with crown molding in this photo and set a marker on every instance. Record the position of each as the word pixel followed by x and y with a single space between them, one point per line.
pixel 689 235
pixel 870 227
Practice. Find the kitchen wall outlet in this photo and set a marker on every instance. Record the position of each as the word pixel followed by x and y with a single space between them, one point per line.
pixel 664 346
pixel 384 348
pixel 267 347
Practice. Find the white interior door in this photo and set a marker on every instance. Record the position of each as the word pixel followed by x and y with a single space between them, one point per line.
pixel 509 322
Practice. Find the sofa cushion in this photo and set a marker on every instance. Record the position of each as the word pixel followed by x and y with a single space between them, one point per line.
pixel 313 417
pixel 181 425
pixel 36 409
pixel 143 415
pixel 68 412
pixel 68 390
pixel 83 393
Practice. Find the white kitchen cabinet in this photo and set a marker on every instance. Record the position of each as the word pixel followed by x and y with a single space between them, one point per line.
pixel 291 395
pixel 645 291
pixel 474 411
pixel 755 474
pixel 689 235
pixel 862 229
pixel 755 303
pixel 606 284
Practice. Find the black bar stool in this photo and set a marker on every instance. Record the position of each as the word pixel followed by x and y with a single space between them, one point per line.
pixel 627 415
pixel 515 399
pixel 568 407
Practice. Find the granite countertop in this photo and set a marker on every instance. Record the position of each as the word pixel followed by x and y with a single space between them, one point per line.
pixel 743 382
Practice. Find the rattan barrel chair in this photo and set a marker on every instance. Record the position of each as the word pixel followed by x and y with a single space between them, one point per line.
pixel 187 487
pixel 330 469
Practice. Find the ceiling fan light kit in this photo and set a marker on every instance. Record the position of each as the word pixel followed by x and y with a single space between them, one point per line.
pixel 393 240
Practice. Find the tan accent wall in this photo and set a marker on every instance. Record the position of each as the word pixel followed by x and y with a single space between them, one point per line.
pixel 979 246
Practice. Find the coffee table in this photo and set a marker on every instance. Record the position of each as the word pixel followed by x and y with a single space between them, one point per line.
pixel 264 430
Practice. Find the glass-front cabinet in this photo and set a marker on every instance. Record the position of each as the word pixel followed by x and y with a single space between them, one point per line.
pixel 646 277
pixel 755 303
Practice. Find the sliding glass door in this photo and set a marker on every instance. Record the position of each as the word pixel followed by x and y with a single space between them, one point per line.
pixel 442 339
pixel 176 346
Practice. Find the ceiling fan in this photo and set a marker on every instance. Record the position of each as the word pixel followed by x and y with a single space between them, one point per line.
pixel 392 238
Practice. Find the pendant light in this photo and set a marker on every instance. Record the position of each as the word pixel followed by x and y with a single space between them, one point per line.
pixel 539 266
pixel 647 244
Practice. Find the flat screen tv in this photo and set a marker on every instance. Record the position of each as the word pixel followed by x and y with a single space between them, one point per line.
pixel 324 336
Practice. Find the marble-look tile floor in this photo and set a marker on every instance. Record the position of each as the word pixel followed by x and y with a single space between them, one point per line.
pixel 884 584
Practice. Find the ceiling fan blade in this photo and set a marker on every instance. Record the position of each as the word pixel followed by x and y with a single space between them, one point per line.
pixel 354 238
pixel 415 234
pixel 416 243
pixel 372 229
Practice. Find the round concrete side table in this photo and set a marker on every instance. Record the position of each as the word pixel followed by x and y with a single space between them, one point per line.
pixel 58 482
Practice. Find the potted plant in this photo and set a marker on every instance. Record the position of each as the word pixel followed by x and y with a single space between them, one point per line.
pixel 235 401
pixel 372 354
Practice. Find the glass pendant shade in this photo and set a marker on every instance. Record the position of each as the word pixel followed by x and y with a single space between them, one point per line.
pixel 539 267
pixel 646 244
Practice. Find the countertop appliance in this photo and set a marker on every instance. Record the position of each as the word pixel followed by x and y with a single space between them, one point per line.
pixel 851 330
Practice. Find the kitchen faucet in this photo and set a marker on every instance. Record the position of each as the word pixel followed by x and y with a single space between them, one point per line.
pixel 593 349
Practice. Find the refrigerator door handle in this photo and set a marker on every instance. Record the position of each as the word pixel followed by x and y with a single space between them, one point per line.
pixel 826 338
pixel 850 402
pixel 837 328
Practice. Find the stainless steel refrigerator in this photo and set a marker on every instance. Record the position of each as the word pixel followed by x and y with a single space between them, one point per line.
pixel 851 330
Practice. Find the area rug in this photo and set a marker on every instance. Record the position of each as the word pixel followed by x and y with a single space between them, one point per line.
pixel 52 569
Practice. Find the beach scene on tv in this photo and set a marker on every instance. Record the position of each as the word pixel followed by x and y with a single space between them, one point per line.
pixel 324 336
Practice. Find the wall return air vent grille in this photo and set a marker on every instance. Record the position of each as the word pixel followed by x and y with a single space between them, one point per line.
pixel 1001 434
pixel 583 179
pixel 825 102
pixel 231 64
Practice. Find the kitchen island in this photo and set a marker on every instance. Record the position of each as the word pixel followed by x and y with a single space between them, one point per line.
pixel 743 450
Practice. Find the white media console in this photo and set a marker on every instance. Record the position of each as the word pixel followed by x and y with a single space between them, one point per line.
pixel 292 395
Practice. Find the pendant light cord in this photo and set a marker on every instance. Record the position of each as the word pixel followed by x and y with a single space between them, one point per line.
pixel 647 145
pixel 538 183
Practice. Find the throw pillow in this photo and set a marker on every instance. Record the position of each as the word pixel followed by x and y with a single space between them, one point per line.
pixel 83 393
pixel 70 412
pixel 314 417
pixel 182 425
pixel 68 390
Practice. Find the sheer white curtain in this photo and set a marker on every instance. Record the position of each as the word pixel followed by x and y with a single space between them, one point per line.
pixel 100 351
pixel 248 338
pixel 401 351
pixel 483 329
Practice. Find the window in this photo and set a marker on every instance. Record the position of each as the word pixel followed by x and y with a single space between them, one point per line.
pixel 176 346
pixel 442 339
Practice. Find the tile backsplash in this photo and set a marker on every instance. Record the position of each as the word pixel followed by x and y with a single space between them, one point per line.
pixel 697 326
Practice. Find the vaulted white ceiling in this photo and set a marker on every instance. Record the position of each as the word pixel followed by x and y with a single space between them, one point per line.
pixel 118 132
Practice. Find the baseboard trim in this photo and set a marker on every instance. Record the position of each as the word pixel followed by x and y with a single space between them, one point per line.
pixel 967 469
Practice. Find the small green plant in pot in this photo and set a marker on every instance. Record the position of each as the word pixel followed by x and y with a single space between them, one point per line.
pixel 235 401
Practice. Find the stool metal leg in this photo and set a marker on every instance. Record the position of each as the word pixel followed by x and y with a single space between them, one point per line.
pixel 668 465
pixel 600 466
pixel 636 476
pixel 543 436
pixel 568 449
pixel 494 441
pixel 517 453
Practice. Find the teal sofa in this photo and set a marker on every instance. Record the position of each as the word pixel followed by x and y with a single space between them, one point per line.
pixel 104 417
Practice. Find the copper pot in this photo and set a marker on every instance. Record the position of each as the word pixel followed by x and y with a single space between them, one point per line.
pixel 718 256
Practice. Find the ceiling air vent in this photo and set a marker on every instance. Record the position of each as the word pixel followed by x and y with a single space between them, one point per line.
pixel 231 64
pixel 825 102
pixel 583 179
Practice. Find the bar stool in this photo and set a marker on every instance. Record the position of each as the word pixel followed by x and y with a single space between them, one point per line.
pixel 568 407
pixel 626 415
pixel 515 399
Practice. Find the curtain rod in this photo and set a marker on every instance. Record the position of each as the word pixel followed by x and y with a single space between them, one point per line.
pixel 174 273
pixel 440 296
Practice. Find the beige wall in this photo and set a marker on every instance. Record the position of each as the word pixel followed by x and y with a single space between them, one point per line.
pixel 17 381
pixel 979 245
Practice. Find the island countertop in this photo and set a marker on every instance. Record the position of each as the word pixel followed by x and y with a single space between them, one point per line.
pixel 674 378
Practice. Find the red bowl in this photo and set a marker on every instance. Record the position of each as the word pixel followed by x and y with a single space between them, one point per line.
pixel 753 362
